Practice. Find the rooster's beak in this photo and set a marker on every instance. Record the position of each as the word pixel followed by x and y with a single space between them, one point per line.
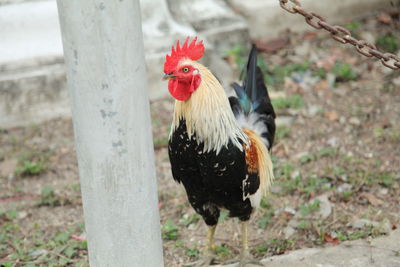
pixel 168 76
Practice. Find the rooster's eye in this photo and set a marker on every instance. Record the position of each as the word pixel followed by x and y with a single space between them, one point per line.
pixel 185 69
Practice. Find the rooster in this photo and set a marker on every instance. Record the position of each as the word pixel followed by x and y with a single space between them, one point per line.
pixel 218 146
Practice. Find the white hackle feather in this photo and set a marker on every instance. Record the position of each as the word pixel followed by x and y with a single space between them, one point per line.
pixel 208 114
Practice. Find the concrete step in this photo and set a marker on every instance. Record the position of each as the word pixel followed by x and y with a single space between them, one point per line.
pixel 31 60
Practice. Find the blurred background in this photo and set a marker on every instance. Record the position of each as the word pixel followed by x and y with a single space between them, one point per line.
pixel 337 154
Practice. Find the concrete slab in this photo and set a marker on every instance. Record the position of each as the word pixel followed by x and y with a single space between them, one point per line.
pixel 266 19
pixel 380 252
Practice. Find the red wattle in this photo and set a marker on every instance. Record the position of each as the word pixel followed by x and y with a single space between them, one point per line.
pixel 181 90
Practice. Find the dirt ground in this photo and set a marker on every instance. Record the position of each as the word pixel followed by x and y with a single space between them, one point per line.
pixel 336 158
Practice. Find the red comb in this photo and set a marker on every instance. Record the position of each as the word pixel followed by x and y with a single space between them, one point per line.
pixel 192 51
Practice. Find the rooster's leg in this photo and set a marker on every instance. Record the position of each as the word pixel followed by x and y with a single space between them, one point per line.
pixel 246 259
pixel 208 251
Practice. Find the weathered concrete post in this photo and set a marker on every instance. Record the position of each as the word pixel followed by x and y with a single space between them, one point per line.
pixel 104 55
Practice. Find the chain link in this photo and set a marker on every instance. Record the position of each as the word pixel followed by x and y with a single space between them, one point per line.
pixel 341 34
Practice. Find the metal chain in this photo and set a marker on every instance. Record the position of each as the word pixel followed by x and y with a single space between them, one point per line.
pixel 342 35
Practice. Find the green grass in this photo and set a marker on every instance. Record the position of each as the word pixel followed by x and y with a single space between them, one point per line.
pixel 282 132
pixel 353 27
pixel 388 43
pixel 344 72
pixel 48 197
pixel 222 252
pixel 57 250
pixel 295 101
pixel 188 220
pixel 33 162
pixel 169 230
pixel 192 252
pixel 307 209
pixel 275 247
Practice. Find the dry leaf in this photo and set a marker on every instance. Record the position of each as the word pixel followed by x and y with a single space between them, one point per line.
pixel 329 239
pixel 272 45
pixel 372 199
pixel 332 115
pixel 385 18
pixel 322 85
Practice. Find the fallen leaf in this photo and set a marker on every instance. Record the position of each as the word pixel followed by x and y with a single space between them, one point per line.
pixel 372 199
pixel 322 85
pixel 385 18
pixel 332 115
pixel 79 238
pixel 309 35
pixel 272 45
pixel 329 239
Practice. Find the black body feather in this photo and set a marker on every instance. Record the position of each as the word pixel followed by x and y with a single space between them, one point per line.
pixel 212 181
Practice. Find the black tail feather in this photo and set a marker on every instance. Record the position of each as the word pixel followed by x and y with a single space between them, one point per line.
pixel 253 97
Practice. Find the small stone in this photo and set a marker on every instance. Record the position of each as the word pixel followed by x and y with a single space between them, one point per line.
pixel 344 188
pixel 333 141
pixel 361 223
pixel 284 120
pixel 325 206
pixel 22 214
pixel 275 189
pixel 38 252
pixel 293 223
pixel 289 231
pixel 314 110
pixel 290 210
pixel 383 191
pixel 355 121
pixel 368 36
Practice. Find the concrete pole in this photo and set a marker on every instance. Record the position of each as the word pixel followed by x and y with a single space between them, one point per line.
pixel 104 55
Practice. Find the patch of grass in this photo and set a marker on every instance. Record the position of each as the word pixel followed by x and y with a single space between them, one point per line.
pixel 277 74
pixel 48 197
pixel 284 170
pixel 353 27
pixel 275 247
pixel 188 220
pixel 30 168
pixel 304 224
pixel 344 72
pixel 238 54
pixel 388 43
pixel 192 252
pixel 321 73
pixel 57 250
pixel 295 101
pixel 307 158
pixel 308 209
pixel 269 213
pixel 9 215
pixel 169 230
pixel 379 132
pixel 282 131
pixel 222 252
pixel 304 186
pixel 32 163
pixel 327 152
pixel 360 177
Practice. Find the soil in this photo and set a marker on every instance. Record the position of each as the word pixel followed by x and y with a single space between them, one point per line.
pixel 342 143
